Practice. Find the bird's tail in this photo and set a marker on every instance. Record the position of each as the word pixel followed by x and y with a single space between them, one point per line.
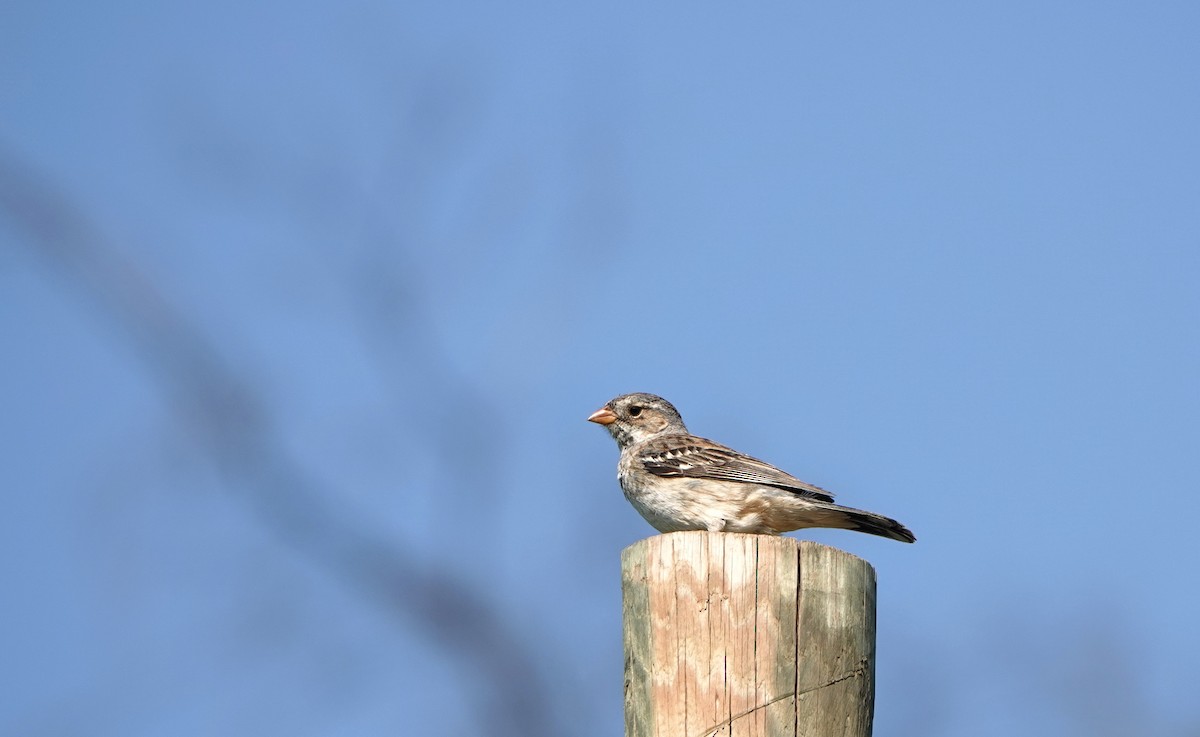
pixel 876 524
pixel 846 518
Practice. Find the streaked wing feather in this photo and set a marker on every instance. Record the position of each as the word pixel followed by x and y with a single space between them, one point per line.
pixel 676 456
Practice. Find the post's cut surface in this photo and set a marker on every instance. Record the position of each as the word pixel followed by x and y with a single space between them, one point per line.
pixel 731 634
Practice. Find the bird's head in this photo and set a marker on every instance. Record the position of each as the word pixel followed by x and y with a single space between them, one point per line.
pixel 632 418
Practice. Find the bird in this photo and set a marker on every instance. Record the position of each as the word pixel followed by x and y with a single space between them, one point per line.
pixel 678 481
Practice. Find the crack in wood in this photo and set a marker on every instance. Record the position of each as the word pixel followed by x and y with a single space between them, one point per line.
pixel 857 672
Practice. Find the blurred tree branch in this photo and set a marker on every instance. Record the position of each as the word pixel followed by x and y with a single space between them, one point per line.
pixel 232 424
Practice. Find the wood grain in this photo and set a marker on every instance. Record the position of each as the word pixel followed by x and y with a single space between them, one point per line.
pixel 748 635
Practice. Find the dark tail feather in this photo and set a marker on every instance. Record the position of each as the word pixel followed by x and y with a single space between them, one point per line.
pixel 877 524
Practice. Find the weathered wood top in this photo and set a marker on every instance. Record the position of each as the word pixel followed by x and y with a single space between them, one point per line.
pixel 747 634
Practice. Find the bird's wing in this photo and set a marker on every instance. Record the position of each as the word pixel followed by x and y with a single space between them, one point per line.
pixel 688 456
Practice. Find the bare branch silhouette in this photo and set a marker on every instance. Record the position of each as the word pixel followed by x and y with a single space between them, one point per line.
pixel 229 420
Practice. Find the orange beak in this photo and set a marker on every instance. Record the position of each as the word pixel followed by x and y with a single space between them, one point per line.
pixel 602 416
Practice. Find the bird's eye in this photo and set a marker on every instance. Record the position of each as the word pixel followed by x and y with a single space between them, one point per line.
pixel 634 411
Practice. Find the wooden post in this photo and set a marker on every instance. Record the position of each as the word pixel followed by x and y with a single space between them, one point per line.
pixel 729 634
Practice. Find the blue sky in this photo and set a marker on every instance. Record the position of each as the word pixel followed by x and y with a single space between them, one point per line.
pixel 941 259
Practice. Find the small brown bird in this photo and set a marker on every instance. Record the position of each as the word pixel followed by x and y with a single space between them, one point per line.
pixel 678 481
